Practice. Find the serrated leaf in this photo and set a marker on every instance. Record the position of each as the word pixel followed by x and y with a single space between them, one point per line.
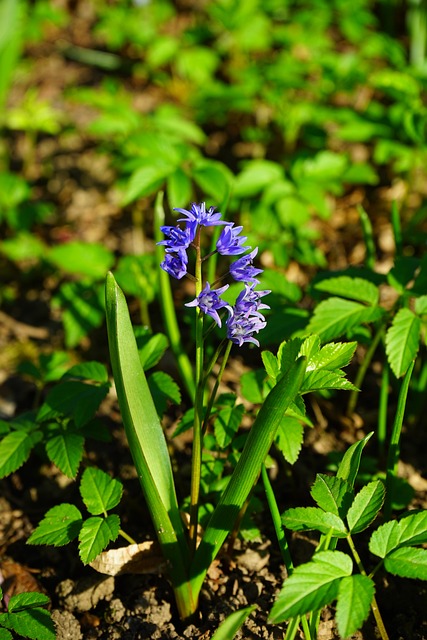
pixel 72 399
pixel 95 535
pixel 334 317
pixel 226 424
pixel 287 353
pixel 402 341
pixel 332 494
pixel 410 530
pixel 33 623
pixel 365 506
pixel 163 388
pixel 270 363
pixel 354 602
pixel 357 289
pixel 312 585
pixel 407 562
pixel 324 379
pixel 21 601
pixel 94 371
pixel 66 451
pixel 99 491
pixel 289 438
pixel 421 305
pixel 349 465
pixel 4 633
pixel 332 356
pixel 60 525
pixel 313 518
pixel 15 449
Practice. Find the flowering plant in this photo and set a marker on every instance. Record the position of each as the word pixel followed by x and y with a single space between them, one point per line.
pixel 187 559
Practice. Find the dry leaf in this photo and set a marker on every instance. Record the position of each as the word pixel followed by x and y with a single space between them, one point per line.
pixel 135 558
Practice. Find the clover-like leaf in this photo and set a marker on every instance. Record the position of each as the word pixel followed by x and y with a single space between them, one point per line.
pixel 95 535
pixel 99 491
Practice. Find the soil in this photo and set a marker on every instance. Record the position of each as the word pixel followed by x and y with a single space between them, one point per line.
pixel 86 604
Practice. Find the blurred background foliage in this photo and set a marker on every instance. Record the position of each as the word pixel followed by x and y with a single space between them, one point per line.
pixel 282 112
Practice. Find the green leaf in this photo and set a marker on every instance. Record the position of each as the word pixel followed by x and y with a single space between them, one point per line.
pixel 163 388
pixel 334 317
pixel 331 356
pixel 151 349
pixel 252 383
pixel 312 585
pixel 421 305
pixel 332 494
pixel 66 451
pixel 313 518
pixel 287 353
pixel 99 491
pixel 402 341
pixel 354 602
pixel 365 506
pixel 144 433
pixel 74 399
pixel 346 287
pixel 178 188
pixel 256 175
pixel 82 309
pixel 270 363
pixel 410 530
pixel 407 563
pixel 324 379
pixel 349 465
pixel 146 180
pixel 4 633
pixel 231 625
pixel 60 526
pixel 32 623
pixel 289 438
pixel 15 449
pixel 95 535
pixel 226 424
pixel 83 258
pixel 21 601
pixel 214 178
pixel 94 371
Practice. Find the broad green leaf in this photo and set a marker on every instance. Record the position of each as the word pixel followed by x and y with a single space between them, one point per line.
pixel 95 535
pixel 163 389
pixel 421 305
pixel 246 473
pixel 231 625
pixel 146 180
pixel 407 562
pixel 349 465
pixel 66 451
pixel 214 178
pixel 144 433
pixel 408 531
pixel 15 449
pixel 332 494
pixel 252 383
pixel 178 188
pixel 289 438
pixel 94 371
pixel 312 585
pixel 82 309
pixel 324 379
pixel 313 518
pixel 60 525
pixel 226 424
pixel 74 399
pixel 84 258
pixel 32 623
pixel 151 349
pixel 354 602
pixel 270 363
pixel 4 633
pixel 354 288
pixel 256 175
pixel 403 272
pixel 365 506
pixel 137 275
pixel 334 317
pixel 402 341
pixel 99 491
pixel 332 356
pixel 287 353
pixel 21 601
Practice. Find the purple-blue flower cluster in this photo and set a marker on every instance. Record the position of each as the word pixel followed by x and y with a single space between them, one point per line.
pixel 244 318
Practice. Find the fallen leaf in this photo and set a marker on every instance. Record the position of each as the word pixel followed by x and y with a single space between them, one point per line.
pixel 145 557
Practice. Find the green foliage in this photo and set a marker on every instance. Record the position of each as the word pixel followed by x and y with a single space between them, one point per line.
pixel 228 629
pixel 27 617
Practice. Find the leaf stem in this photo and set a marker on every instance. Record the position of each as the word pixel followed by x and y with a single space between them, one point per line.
pixel 363 369
pixel 127 537
pixel 277 521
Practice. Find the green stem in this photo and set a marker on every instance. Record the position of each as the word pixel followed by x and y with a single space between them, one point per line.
pixel 306 629
pixel 216 386
pixel 292 629
pixel 368 236
pixel 196 460
pixel 168 309
pixel 382 410
pixel 127 537
pixel 277 521
pixel 394 449
pixel 374 605
pixel 363 369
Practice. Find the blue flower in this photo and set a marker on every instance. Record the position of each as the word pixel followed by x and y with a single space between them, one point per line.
pixel 242 326
pixel 210 302
pixel 199 215
pixel 175 265
pixel 229 244
pixel 249 300
pixel 177 239
pixel 243 270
